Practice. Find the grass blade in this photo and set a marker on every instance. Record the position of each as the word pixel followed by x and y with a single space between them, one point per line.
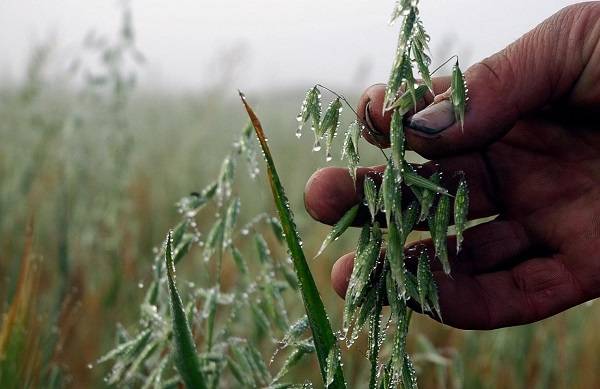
pixel 422 182
pixel 397 139
pixel 428 296
pixel 371 196
pixel 340 227
pixel 405 102
pixel 459 94
pixel 461 209
pixel 428 197
pixel 440 231
pixel 395 256
pixel 330 124
pixel 333 361
pixel 186 358
pixel 323 336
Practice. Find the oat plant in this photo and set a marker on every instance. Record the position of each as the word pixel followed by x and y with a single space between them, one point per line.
pixel 207 334
pixel 211 333
pixel 396 203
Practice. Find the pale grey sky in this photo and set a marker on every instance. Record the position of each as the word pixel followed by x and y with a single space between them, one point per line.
pixel 279 43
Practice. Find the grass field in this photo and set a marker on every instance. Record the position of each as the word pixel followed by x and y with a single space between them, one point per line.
pixel 89 176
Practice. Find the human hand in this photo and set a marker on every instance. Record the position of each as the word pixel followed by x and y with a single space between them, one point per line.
pixel 531 153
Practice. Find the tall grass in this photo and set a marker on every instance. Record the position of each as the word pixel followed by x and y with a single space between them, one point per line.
pixel 97 220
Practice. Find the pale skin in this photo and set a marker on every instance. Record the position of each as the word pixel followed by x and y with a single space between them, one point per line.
pixel 531 153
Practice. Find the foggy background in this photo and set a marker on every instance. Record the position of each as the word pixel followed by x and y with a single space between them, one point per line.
pixel 265 44
pixel 97 151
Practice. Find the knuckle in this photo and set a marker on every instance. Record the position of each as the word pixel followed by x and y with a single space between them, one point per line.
pixel 581 11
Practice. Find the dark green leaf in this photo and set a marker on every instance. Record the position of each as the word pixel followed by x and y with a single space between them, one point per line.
pixel 323 335
pixel 339 228
pixel 185 356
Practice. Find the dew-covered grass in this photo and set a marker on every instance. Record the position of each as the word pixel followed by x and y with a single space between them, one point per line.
pixel 93 176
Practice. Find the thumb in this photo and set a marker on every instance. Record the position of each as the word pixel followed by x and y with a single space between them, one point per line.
pixel 545 65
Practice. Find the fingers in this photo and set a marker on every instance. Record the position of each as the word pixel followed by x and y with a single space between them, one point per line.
pixel 492 246
pixel 557 61
pixel 531 291
pixel 330 192
pixel 487 247
pixel 376 122
pixel 341 272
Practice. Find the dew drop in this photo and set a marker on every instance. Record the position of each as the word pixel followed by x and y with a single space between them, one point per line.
pixel 317 146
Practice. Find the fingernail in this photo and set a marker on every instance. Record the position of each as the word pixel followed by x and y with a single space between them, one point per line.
pixel 370 125
pixel 373 131
pixel 433 119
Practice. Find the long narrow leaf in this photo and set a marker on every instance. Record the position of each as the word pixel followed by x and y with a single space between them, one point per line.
pixel 461 209
pixel 323 336
pixel 186 357
pixel 339 228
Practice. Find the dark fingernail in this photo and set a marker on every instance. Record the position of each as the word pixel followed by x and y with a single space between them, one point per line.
pixel 433 119
pixel 377 135
pixel 370 125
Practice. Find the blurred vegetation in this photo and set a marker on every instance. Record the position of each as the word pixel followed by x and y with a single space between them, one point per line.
pixel 90 170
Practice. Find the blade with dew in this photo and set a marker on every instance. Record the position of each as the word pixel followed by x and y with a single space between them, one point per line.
pixel 350 148
pixel 395 81
pixel 276 228
pixel 376 333
pixel 225 180
pixel 428 297
pixel 404 103
pixel 439 232
pixel 428 196
pixel 396 299
pixel 395 256
pixel 397 139
pixel 214 240
pixel 240 262
pixel 323 336
pixel 295 331
pixel 461 209
pixel 458 94
pixel 209 312
pixel 419 49
pixel 410 218
pixel 231 216
pixel 311 110
pixel 330 124
pixel 401 8
pixel 409 80
pixel 339 228
pixel 333 362
pixel 185 355
pixel 349 303
pixel 409 375
pixel 414 179
pixel 290 362
pixel 389 191
pixel 371 196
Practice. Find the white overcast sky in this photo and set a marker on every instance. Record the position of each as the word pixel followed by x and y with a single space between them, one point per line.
pixel 278 43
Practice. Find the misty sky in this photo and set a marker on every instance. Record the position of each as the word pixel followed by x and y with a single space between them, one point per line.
pixel 190 44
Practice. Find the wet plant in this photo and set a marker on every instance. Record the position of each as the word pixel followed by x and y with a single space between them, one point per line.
pixel 210 335
pixel 200 334
pixel 399 200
